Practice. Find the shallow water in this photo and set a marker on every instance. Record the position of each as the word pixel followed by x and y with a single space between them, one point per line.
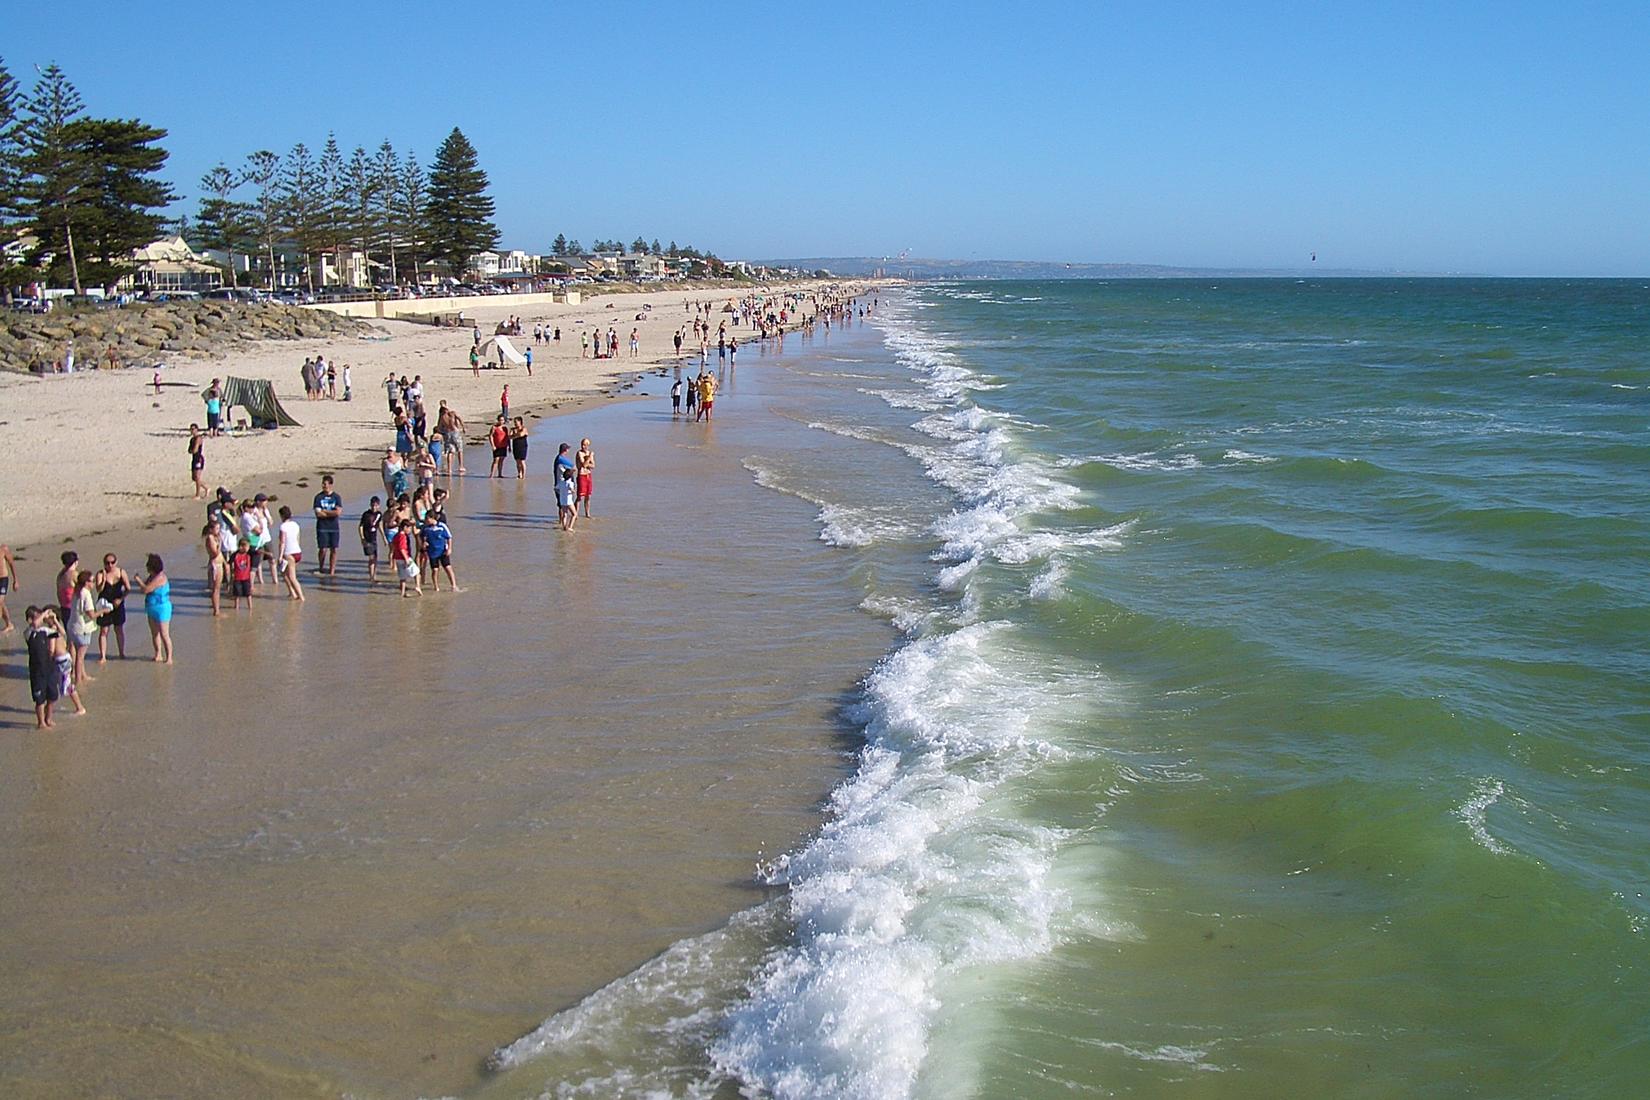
pixel 351 847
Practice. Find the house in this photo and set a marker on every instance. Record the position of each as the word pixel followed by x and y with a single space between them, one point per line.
pixel 170 264
pixel 640 265
pixel 484 264
pixel 342 269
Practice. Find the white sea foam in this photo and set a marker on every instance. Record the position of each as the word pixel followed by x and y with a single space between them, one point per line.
pixel 839 524
pixel 1473 811
pixel 923 869
pixel 919 873
pixel 1146 460
pixel 645 1034
pixel 1047 584
pixel 1246 456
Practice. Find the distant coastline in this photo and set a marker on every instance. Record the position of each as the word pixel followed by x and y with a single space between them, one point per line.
pixel 863 266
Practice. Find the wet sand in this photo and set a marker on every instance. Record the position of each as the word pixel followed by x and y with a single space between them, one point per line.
pixel 354 845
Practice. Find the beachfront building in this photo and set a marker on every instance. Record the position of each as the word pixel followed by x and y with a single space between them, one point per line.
pixel 170 264
pixel 484 265
pixel 641 266
pixel 342 269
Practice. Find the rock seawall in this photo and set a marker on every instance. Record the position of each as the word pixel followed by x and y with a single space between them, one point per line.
pixel 142 334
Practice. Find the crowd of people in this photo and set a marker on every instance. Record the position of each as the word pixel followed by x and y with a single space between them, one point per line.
pixel 255 544
pixel 90 607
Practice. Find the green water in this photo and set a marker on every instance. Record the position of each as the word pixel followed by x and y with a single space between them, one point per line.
pixel 1272 717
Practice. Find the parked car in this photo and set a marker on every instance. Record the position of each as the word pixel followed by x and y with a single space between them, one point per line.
pixel 236 294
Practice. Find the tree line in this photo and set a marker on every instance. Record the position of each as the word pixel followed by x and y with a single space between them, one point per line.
pixel 379 204
pixel 562 246
pixel 79 194
pixel 82 191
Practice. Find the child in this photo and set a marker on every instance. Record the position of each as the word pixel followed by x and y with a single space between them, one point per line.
pixel 438 544
pixel 240 576
pixel 401 552
pixel 564 497
pixel 44 683
pixel 371 523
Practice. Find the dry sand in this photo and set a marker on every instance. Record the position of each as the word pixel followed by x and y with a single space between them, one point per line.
pixel 93 451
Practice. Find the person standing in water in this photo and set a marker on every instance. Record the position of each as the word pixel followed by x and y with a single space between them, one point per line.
pixel 328 507
pixel 8 574
pixel 213 544
pixel 292 552
pixel 372 523
pixel 518 447
pixel 584 464
pixel 157 606
pixel 113 585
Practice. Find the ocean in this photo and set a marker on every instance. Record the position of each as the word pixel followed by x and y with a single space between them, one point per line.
pixel 1270 713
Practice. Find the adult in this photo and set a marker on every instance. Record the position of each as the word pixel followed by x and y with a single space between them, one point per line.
pixel 392 391
pixel 113 585
pixel 394 472
pixel 328 507
pixel 403 436
pixel 499 438
pixel 197 460
pixel 292 553
pixel 157 606
pixel 64 588
pixel 518 447
pixel 451 427
pixel 82 624
pixel 255 534
pixel 584 464
pixel 528 355
pixel 707 395
pixel 214 407
pixel 266 554
pixel 8 574
pixel 213 545
pixel 676 397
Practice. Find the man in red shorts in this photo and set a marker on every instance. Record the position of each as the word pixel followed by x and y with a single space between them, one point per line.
pixel 584 465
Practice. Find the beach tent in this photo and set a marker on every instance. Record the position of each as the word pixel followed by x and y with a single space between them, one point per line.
pixel 258 396
pixel 502 343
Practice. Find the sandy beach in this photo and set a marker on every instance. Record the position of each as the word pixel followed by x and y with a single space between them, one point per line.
pixel 99 449
pixel 352 846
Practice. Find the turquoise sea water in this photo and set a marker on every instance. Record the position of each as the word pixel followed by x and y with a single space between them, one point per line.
pixel 1273 716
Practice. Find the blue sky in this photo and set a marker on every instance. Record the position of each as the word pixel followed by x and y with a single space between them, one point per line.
pixel 1500 138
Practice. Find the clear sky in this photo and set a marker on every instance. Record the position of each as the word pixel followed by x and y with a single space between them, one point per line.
pixel 1505 138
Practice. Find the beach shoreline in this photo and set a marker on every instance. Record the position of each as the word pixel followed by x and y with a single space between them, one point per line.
pixel 55 495
pixel 559 812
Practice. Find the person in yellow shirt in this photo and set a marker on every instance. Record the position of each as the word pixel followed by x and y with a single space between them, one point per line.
pixel 707 396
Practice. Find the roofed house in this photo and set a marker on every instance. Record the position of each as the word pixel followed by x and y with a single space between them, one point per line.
pixel 170 264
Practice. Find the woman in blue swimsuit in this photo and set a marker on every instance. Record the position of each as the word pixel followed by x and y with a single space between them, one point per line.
pixel 157 605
